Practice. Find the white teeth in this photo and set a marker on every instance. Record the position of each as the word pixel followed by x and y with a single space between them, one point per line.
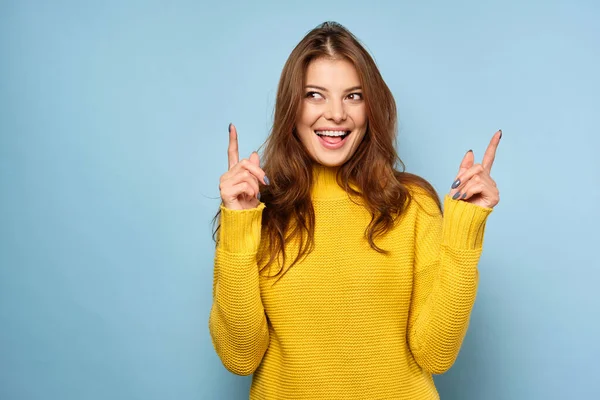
pixel 331 133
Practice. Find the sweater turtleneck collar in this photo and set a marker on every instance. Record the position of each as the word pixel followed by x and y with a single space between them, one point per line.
pixel 325 184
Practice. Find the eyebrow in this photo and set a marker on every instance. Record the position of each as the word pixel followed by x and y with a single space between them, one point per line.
pixel 325 90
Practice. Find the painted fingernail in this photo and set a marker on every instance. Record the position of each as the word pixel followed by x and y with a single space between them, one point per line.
pixel 267 181
pixel 470 151
pixel 456 184
pixel 229 128
pixel 456 195
pixel 258 196
pixel 500 134
pixel 464 195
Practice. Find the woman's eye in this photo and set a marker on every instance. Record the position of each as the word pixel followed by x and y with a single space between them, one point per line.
pixel 313 95
pixel 355 96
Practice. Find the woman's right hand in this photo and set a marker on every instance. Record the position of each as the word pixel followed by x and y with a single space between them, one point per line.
pixel 239 185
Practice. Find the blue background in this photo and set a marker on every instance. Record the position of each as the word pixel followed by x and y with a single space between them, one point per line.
pixel 113 123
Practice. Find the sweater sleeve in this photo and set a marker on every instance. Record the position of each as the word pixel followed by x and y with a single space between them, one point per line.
pixel 237 322
pixel 447 251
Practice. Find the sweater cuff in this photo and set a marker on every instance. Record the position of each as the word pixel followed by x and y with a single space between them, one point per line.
pixel 240 229
pixel 464 224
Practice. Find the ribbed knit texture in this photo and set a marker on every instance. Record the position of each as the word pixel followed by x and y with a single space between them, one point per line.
pixel 348 322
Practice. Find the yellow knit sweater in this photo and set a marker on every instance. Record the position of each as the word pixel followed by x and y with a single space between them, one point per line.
pixel 348 322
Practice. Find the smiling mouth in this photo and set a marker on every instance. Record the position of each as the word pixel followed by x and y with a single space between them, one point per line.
pixel 333 134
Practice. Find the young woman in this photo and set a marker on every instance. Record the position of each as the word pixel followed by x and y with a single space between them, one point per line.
pixel 336 275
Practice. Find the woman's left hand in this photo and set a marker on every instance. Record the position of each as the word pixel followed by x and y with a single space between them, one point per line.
pixel 473 182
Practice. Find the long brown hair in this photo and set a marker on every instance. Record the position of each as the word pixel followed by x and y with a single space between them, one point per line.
pixel 289 212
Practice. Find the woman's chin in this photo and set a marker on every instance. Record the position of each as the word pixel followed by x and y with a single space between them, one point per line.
pixel 331 162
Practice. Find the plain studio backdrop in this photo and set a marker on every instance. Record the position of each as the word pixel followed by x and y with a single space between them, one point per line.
pixel 113 123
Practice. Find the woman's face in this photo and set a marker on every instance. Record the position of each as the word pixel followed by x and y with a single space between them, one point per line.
pixel 332 120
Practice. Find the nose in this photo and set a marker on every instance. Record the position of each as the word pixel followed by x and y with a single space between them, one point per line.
pixel 336 111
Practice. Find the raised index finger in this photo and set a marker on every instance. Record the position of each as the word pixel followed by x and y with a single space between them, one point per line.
pixel 232 152
pixel 490 153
